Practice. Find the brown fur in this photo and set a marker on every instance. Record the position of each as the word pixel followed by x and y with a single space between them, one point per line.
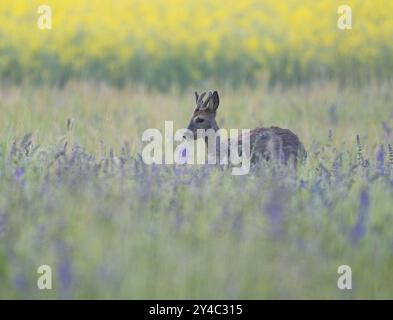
pixel 265 143
pixel 275 143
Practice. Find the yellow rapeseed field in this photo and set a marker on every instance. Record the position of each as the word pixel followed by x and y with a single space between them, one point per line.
pixel 190 40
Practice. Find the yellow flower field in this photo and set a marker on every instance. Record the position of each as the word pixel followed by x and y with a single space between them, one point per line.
pixel 183 41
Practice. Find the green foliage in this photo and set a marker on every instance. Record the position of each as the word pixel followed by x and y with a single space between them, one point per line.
pixel 112 227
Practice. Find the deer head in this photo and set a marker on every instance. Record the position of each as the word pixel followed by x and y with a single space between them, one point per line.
pixel 204 116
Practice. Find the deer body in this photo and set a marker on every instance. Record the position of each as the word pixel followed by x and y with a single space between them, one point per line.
pixel 268 144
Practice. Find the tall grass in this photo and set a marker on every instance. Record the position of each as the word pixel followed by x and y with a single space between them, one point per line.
pixel 75 195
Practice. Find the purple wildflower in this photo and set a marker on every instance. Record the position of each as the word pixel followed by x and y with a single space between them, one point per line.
pixel 184 153
pixel 274 210
pixel 155 169
pixel 359 230
pixel 316 186
pixel 64 269
pixel 65 273
pixel 20 282
pixel 380 158
pixel 386 128
pixel 19 174
pixel 146 188
pixel 303 184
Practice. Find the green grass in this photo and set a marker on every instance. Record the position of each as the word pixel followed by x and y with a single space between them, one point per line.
pixel 113 227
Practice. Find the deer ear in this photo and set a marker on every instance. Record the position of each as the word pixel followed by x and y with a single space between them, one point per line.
pixel 215 101
pixel 196 97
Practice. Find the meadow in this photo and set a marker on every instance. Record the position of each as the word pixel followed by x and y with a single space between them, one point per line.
pixel 76 196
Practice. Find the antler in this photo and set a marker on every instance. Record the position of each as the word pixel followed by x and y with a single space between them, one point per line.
pixel 202 105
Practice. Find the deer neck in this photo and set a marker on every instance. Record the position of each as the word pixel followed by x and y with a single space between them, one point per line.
pixel 218 142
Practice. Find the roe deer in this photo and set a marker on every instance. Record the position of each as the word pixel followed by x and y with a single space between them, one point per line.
pixel 272 143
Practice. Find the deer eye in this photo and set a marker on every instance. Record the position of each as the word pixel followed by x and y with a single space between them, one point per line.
pixel 199 120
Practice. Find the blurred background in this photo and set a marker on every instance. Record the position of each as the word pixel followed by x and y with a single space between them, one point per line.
pixel 75 194
pixel 163 43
